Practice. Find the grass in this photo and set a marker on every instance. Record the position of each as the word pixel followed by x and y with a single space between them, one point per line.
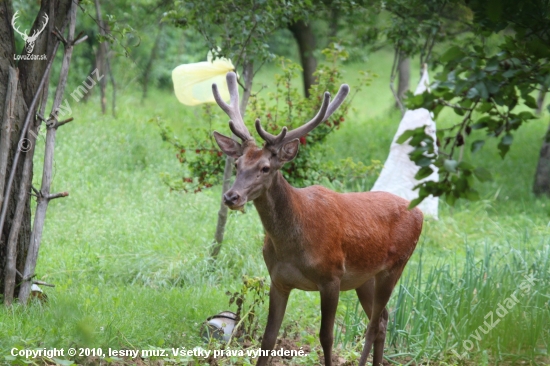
pixel 130 258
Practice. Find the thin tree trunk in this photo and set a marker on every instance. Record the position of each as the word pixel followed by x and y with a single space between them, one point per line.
pixel 404 76
pixel 540 101
pixel 333 23
pixel 248 75
pixel 113 84
pixel 44 195
pixel 303 33
pixel 22 199
pixel 101 57
pixel 541 186
pixel 152 57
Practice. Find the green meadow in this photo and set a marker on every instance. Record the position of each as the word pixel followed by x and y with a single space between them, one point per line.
pixel 130 258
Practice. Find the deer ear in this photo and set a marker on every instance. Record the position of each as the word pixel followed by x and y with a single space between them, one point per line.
pixel 229 146
pixel 289 151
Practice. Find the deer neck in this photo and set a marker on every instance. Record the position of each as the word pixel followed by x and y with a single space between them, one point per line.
pixel 277 211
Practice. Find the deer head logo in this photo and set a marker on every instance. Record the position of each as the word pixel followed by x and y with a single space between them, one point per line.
pixel 29 40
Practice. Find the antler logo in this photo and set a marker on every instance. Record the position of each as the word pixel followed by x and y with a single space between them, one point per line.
pixel 29 40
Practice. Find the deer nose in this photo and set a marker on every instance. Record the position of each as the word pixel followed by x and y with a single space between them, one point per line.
pixel 230 198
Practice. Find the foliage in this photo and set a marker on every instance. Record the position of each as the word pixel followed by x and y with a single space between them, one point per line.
pixel 138 275
pixel 489 89
pixel 203 163
pixel 287 107
pixel 249 299
pixel 238 30
pixel 416 26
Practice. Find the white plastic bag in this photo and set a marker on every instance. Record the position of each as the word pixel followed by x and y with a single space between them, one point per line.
pixel 193 82
pixel 397 176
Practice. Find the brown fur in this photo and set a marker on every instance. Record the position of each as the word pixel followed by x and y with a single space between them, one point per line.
pixel 320 240
pixel 317 239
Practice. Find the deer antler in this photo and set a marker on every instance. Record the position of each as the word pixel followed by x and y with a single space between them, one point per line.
pixel 236 123
pixel 324 113
pixel 16 28
pixel 37 33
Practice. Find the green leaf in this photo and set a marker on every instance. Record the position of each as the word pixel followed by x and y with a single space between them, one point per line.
pixel 504 144
pixel 409 133
pixel 464 165
pixel 472 93
pixel 415 202
pixel 484 107
pixel 440 134
pixel 423 172
pixel 492 64
pixel 414 101
pixel 450 165
pixel 510 73
pixel 405 136
pixel 424 161
pixel 477 145
pixel 453 53
pixel 483 174
pixel 530 101
pixel 507 139
pixel 482 89
pixel 450 199
pixel 525 115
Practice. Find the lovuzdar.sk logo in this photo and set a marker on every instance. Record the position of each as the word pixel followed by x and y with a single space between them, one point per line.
pixel 29 39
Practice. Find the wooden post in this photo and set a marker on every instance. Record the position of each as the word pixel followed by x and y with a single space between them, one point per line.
pixel 7 125
pixel 44 195
pixel 248 76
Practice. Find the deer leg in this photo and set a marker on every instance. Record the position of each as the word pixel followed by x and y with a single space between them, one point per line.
pixel 277 306
pixel 378 347
pixel 329 302
pixel 376 330
pixel 365 293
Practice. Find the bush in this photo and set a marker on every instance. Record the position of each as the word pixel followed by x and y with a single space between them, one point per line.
pixel 203 162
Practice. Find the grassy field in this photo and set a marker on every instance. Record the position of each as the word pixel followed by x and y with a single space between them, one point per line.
pixel 130 259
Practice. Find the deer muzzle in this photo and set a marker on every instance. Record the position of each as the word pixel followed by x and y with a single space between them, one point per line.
pixel 232 199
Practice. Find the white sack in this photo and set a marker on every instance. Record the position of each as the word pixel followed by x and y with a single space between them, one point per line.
pixel 398 173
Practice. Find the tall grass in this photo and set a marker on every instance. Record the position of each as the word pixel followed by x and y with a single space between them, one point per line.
pixel 494 301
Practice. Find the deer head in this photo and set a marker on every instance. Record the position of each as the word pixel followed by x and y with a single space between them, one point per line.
pixel 29 40
pixel 257 167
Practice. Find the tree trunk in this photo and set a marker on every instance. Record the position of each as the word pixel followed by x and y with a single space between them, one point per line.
pixel 101 59
pixel 333 22
pixel 248 76
pixel 541 185
pixel 30 76
pixel 540 100
pixel 303 33
pixel 150 62
pixel 404 76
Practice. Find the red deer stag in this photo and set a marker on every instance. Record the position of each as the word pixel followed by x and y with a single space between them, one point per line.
pixel 317 239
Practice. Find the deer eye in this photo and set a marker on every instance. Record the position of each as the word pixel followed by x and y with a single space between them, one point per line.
pixel 265 169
